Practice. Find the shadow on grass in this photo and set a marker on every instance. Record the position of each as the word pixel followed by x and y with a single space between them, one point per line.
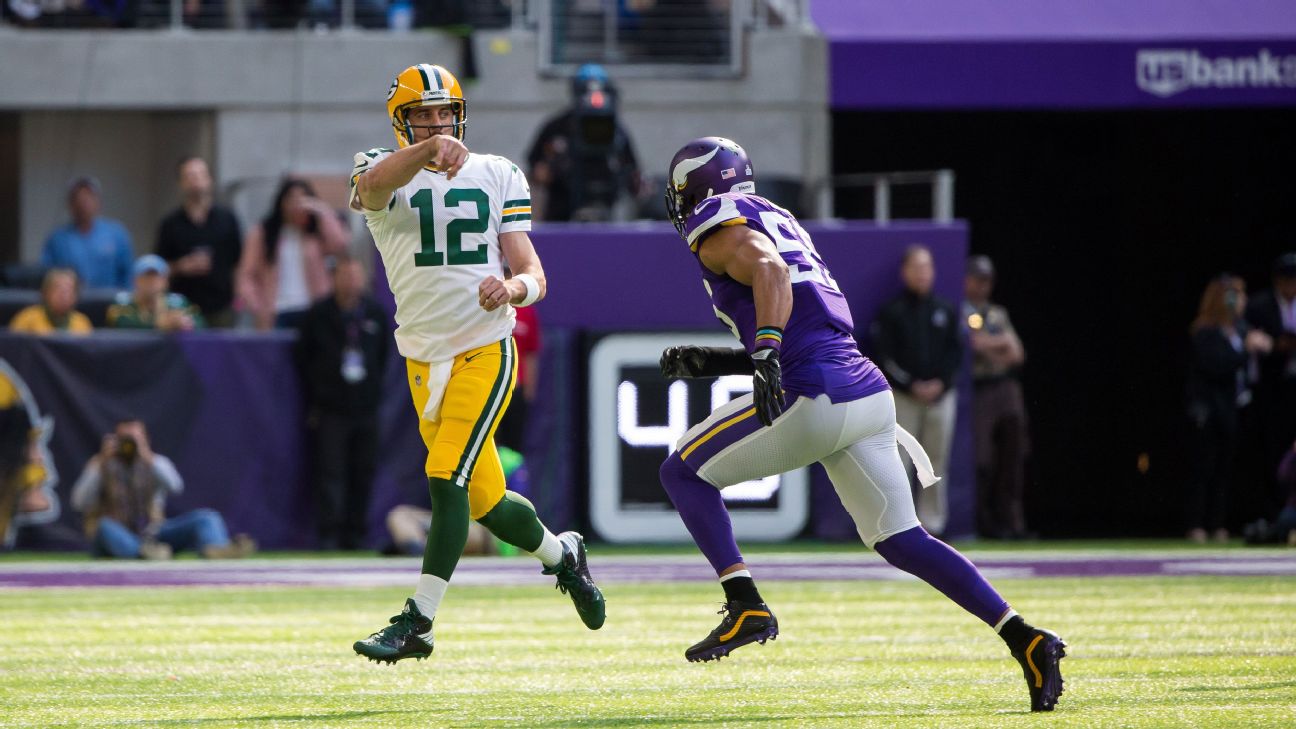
pixel 615 721
pixel 800 717
pixel 339 716
pixel 1247 687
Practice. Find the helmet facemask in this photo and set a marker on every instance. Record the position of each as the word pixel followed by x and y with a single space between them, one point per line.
pixel 405 131
pixel 675 208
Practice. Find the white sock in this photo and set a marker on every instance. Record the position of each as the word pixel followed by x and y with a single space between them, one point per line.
pixel 550 551
pixel 736 573
pixel 428 596
pixel 1004 620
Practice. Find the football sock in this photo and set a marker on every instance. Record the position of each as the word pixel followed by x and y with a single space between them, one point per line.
pixel 550 551
pixel 1009 614
pixel 936 563
pixel 1017 633
pixel 428 596
pixel 740 586
pixel 445 542
pixel 702 509
pixel 514 520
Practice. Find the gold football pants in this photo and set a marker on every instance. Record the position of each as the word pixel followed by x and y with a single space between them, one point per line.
pixel 461 444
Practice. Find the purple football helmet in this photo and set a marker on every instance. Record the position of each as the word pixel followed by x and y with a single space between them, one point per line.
pixel 704 167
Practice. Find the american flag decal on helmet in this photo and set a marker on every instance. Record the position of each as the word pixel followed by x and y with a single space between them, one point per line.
pixel 726 174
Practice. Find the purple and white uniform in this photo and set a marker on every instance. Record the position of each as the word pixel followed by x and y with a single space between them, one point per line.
pixel 819 354
pixel 842 413
pixel 839 410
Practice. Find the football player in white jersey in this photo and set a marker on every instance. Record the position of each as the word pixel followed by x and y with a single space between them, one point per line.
pixel 445 221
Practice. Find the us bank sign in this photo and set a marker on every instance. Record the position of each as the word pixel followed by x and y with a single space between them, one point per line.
pixel 1165 72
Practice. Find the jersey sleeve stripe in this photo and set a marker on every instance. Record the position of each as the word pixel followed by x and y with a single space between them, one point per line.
pixel 514 211
pixel 524 202
pixel 515 218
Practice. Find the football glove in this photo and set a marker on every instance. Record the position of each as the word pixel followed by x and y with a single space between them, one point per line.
pixel 690 361
pixel 767 384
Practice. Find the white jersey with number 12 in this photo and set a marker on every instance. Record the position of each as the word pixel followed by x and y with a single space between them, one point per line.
pixel 438 239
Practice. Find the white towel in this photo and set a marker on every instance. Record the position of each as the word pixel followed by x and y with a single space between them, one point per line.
pixel 438 377
pixel 922 462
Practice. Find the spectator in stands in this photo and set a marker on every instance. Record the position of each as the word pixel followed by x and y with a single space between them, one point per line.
pixel 150 305
pixel 57 310
pixel 1222 346
pixel 70 13
pixel 284 263
pixel 202 243
pixel 97 248
pixel 998 407
pixel 372 14
pixel 342 352
pixel 583 165
pixel 916 343
pixel 1274 312
pixel 123 491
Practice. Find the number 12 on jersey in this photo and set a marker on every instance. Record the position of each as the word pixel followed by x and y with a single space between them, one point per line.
pixel 454 255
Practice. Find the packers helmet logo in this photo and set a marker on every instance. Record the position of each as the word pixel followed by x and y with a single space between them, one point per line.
pixel 391 90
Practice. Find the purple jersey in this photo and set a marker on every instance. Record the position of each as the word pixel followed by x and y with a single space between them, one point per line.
pixel 819 353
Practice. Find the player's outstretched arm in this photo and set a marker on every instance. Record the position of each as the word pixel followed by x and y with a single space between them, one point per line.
pixel 376 186
pixel 522 260
pixel 691 361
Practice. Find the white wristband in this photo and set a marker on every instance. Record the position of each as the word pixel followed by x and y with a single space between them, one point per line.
pixel 532 288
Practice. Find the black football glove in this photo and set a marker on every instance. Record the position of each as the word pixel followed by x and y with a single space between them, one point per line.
pixel 767 385
pixel 690 361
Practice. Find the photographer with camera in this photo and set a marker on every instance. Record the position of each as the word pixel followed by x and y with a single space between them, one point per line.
pixel 122 492
pixel 583 165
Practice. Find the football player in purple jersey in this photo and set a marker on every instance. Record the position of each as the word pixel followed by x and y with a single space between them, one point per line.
pixel 815 399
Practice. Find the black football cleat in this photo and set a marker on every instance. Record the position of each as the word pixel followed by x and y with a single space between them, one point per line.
pixel 402 639
pixel 743 623
pixel 574 580
pixel 1039 663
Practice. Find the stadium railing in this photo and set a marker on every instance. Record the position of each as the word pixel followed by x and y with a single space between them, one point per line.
pixel 651 38
pixel 654 38
pixel 317 15
pixel 886 186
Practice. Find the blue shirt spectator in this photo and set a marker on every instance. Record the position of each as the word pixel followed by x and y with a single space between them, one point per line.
pixel 98 249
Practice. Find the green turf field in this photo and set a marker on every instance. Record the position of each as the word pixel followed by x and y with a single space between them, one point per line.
pixel 1145 652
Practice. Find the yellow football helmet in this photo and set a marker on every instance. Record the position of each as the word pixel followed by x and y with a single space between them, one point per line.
pixel 424 85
